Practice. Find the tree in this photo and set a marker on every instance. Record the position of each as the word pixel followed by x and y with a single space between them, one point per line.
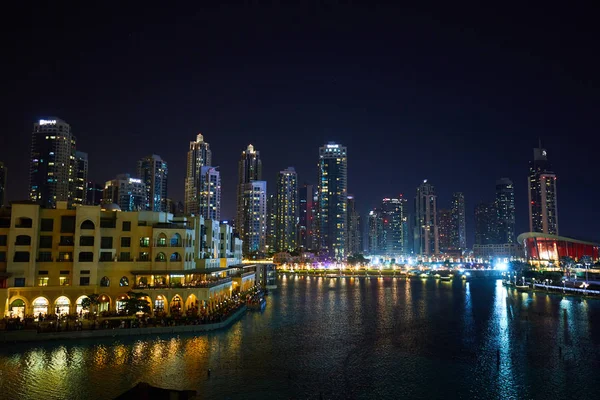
pixel 135 303
pixel 519 266
pixel 92 300
pixel 357 259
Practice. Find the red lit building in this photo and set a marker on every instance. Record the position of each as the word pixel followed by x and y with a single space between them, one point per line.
pixel 545 247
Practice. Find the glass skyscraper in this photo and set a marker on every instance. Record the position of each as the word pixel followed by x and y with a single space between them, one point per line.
pixel 199 155
pixel 333 193
pixel 153 171
pixel 505 210
pixel 426 229
pixel 543 211
pixel 52 163
pixel 286 205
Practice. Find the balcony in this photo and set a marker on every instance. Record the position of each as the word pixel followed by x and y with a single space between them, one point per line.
pixel 187 285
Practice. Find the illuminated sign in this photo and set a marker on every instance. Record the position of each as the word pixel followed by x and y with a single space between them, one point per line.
pixel 332 146
pixel 47 122
pixel 133 180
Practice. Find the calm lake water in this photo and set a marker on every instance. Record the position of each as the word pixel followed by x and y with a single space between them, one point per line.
pixel 344 338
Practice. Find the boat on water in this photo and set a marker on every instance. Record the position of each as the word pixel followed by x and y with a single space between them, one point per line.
pixel 424 275
pixel 332 275
pixel 257 305
pixel 522 288
pixel 446 278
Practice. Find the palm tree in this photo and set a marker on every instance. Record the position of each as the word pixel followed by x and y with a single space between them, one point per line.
pixel 136 302
pixel 567 263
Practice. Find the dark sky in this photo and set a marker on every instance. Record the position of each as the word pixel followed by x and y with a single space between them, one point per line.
pixel 457 96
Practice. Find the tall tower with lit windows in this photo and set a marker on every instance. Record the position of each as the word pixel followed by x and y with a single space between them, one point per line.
pixel 333 201
pixel 543 209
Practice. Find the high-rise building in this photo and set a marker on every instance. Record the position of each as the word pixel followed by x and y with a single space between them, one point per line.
pixel 486 224
pixel 333 216
pixel 210 193
pixel 505 210
pixel 286 207
pixel 80 179
pixel 354 235
pixel 253 225
pixel 307 199
pixel 94 194
pixel 128 193
pixel 153 171
pixel 199 155
pixel 252 199
pixel 375 232
pixel 3 174
pixel 445 230
pixel 271 222
pixel 392 214
pixel 52 164
pixel 426 229
pixel 543 211
pixel 458 234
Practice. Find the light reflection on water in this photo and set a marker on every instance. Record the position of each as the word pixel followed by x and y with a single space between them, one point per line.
pixel 345 338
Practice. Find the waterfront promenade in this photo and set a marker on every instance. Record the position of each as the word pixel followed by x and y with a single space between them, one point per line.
pixel 29 335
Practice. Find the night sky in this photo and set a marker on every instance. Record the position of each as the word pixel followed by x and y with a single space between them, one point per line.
pixel 457 96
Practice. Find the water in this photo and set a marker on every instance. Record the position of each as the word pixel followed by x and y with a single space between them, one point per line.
pixel 343 338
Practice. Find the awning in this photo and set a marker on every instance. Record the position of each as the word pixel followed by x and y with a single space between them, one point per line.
pixel 195 271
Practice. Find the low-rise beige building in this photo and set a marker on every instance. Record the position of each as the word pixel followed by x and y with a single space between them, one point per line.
pixel 51 259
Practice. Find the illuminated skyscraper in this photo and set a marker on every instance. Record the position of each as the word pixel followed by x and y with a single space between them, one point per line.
pixel 308 200
pixel 426 229
pixel 354 236
pixel 375 235
pixel 249 170
pixel 543 210
pixel 333 194
pixel 80 179
pixel 199 155
pixel 210 193
pixel 153 171
pixel 392 214
pixel 445 229
pixel 126 192
pixel 271 222
pixel 52 166
pixel 253 225
pixel 3 174
pixel 458 233
pixel 486 223
pixel 94 194
pixel 286 210
pixel 505 209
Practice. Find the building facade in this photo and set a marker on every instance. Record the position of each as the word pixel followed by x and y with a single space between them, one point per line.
pixel 54 258
pixel 376 242
pixel 354 234
pixel 505 210
pixel 392 222
pixel 80 179
pixel 126 192
pixel 543 209
pixel 486 224
pixel 153 172
pixel 52 163
pixel 253 225
pixel 426 234
pixel 210 193
pixel 543 248
pixel 458 234
pixel 286 206
pixel 199 155
pixel 307 218
pixel 94 194
pixel 498 251
pixel 3 178
pixel 333 193
pixel 446 230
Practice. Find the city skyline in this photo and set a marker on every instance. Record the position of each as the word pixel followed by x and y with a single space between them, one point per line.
pixel 489 106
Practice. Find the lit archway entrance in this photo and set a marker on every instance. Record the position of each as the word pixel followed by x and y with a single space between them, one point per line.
pixel 40 307
pixel 159 304
pixel 63 305
pixel 103 303
pixel 79 308
pixel 191 305
pixel 121 302
pixel 17 309
pixel 176 305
